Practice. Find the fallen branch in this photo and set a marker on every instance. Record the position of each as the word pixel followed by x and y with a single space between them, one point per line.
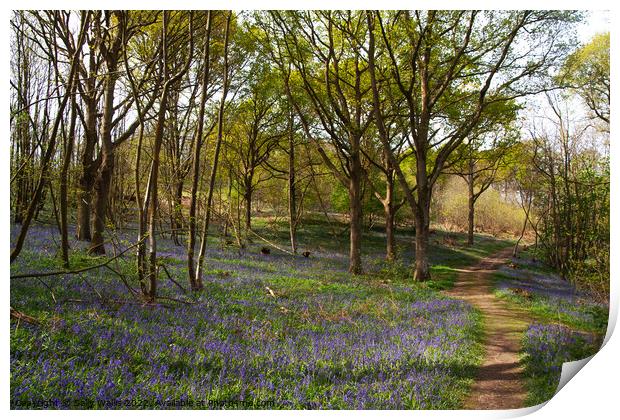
pixel 124 280
pixel 81 270
pixel 119 302
pixel 117 271
pixel 171 279
pixel 185 302
pixel 20 316
pixel 271 243
pixel 48 288
pixel 101 298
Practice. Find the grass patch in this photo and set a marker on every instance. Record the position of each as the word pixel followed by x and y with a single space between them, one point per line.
pixel 442 277
pixel 579 316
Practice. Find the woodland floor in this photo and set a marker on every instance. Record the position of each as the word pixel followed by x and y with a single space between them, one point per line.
pixel 481 334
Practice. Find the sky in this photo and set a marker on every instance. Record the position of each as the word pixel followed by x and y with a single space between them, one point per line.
pixel 539 113
pixel 597 22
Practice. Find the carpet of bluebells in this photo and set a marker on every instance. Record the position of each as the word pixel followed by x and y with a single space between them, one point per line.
pixel 268 331
pixel 549 296
pixel 546 347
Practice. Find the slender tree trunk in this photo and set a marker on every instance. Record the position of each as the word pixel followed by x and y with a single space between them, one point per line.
pixel 248 205
pixel 292 199
pixel 103 180
pixel 355 214
pixel 142 234
pixel 388 208
pixel 157 143
pixel 392 164
pixel 556 257
pixel 191 239
pixel 471 203
pixel 228 222
pixel 177 212
pixel 515 251
pixel 141 248
pixel 390 254
pixel 153 183
pixel 23 132
pixel 64 187
pixel 218 144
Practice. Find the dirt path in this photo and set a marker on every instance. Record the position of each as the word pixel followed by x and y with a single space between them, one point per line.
pixel 499 383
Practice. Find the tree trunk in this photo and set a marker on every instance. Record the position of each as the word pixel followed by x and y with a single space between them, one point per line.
pixel 355 213
pixel 102 191
pixel 471 202
pixel 422 269
pixel 177 212
pixel 389 231
pixel 89 166
pixel 24 145
pixel 218 144
pixel 248 205
pixel 228 222
pixel 292 199
pixel 106 168
pixel 68 152
pixel 157 143
pixel 84 196
pixel 422 221
pixel 388 208
pixel 152 209
pixel 515 251
pixel 191 240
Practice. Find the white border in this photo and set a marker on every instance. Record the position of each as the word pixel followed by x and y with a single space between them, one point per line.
pixel 591 395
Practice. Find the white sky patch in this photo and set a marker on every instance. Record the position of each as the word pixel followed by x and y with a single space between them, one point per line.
pixel 598 22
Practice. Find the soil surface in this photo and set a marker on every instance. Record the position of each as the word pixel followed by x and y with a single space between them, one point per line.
pixel 499 383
